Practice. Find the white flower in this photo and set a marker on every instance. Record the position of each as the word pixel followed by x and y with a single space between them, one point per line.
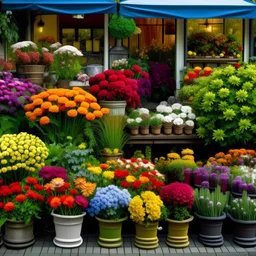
pixel 186 109
pixel 160 116
pixel 178 121
pixel 44 49
pixel 176 106
pixel 68 49
pixel 190 123
pixel 159 228
pixel 165 103
pixel 191 116
pixel 161 108
pixel 130 120
pixel 173 115
pixel 182 115
pixel 56 45
pixel 168 119
pixel 143 111
pixel 168 109
pixel 138 120
pixel 23 44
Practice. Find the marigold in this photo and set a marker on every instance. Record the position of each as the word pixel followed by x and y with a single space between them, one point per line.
pixel 98 113
pixel 108 175
pixel 70 104
pixel 62 107
pixel 54 109
pixel 72 113
pixel 188 157
pixel 88 188
pixel 90 116
pixel 33 97
pixel 79 181
pixel 29 107
pixel 79 98
pixel 38 112
pixel 105 111
pixel 62 100
pixel 187 151
pixel 95 106
pixel 82 110
pixel 85 104
pixel 173 156
pixel 55 202
pixel 104 166
pixel 37 102
pixel 95 170
pixel 43 95
pixel 144 179
pixel 53 97
pixel 44 120
pixel 69 94
pixel 28 114
pixel 46 105
pixel 32 117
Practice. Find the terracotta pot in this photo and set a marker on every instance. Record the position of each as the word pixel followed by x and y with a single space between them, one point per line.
pixel 156 130
pixel 144 130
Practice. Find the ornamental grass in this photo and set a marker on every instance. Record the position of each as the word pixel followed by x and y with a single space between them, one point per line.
pixel 59 113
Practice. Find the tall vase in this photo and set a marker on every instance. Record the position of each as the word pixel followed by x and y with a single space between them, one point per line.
pixel 146 235
pixel 178 233
pixel 116 108
pixel 210 233
pixel 35 73
pixel 68 230
pixel 18 235
pixel 110 232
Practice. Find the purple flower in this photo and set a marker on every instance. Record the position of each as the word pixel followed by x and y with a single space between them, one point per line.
pixel 235 184
pixel 223 178
pixel 250 188
pixel 81 201
pixel 144 87
pixel 205 184
pixel 213 180
pixel 242 187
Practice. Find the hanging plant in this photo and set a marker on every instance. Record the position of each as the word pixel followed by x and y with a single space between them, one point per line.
pixel 121 27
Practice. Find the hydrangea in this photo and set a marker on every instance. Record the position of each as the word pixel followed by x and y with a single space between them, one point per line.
pixel 190 123
pixel 168 119
pixel 178 121
pixel 143 111
pixel 160 108
pixel 176 106
pixel 186 109
pixel 191 116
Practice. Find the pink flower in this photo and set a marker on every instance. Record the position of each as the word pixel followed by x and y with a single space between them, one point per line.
pixel 81 201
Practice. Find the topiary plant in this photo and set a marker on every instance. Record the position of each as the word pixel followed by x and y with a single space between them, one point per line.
pixel 121 27
pixel 225 105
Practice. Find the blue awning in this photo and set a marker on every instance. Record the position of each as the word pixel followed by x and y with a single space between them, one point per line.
pixel 62 6
pixel 188 9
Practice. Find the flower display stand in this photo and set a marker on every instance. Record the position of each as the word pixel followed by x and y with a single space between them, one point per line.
pixel 178 233
pixel 110 232
pixel 146 235
pixel 68 230
pixel 116 108
pixel 35 73
pixel 18 235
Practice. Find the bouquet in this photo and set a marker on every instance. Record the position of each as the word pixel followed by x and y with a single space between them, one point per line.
pixel 21 200
pixel 146 208
pixel 178 198
pixel 109 203
pixel 69 197
pixel 21 154
pixel 116 85
pixel 27 53
pixel 14 94
pixel 59 113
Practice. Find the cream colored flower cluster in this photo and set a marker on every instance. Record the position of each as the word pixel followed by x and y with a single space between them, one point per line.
pixel 21 151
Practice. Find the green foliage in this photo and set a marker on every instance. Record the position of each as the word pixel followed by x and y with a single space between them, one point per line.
pixel 121 27
pixel 154 121
pixel 88 131
pixel 109 132
pixel 210 204
pixel 225 106
pixel 174 170
pixel 179 213
pixel 142 63
pixel 187 91
pixel 243 208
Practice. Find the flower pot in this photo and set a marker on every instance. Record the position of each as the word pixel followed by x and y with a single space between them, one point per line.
pixel 108 157
pixel 210 230
pixel 134 131
pixel 167 128
pixel 18 235
pixel 63 84
pixel 110 232
pixel 68 230
pixel 178 233
pixel 178 129
pixel 188 130
pixel 156 130
pixel 144 130
pixel 146 235
pixel 244 232
pixel 35 73
pixel 116 108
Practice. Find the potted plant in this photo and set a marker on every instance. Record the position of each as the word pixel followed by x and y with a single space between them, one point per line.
pixel 67 201
pixel 133 125
pixel 60 117
pixel 156 122
pixel 242 213
pixel 146 210
pixel 144 124
pixel 178 198
pixel 21 202
pixel 115 89
pixel 82 80
pixel 208 208
pixel 67 64
pixel 31 60
pixel 111 136
pixel 109 206
pixel 167 124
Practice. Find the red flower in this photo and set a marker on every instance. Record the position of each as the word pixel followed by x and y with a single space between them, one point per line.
pixel 109 72
pixel 136 68
pixel 31 194
pixel 26 187
pixel 102 94
pixel 40 198
pixel 5 191
pixel 144 74
pixel 240 48
pixel 48 58
pixel 65 186
pixel 30 180
pixel 237 65
pixel 1 181
pixel 20 198
pixel 38 187
pixel 146 174
pixel 34 57
pixel 94 89
pixel 136 184
pixel 128 73
pixel 112 78
pixel 121 174
pixel 73 191
pixel 103 84
pixel 69 201
pixel 111 95
pixel 191 74
pixel 100 76
pixel 125 184
pixel 1 205
pixel 9 206
pixel 16 187
pixel 55 202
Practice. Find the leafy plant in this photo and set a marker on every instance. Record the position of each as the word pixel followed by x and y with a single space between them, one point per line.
pixel 187 92
pixel 210 204
pixel 154 121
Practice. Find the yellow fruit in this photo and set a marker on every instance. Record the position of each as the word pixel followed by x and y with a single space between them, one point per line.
pixel 115 151
pixel 221 55
pixel 238 56
pixel 190 53
pixel 194 53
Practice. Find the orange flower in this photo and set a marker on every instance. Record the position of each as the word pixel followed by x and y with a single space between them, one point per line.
pixel 46 105
pixel 98 113
pixel 221 161
pixel 105 111
pixel 75 92
pixel 70 104
pixel 61 92
pixel 62 100
pixel 69 94
pixel 104 166
pixel 87 188
pixel 95 106
pixel 52 91
pixel 38 111
pixel 79 181
pixel 53 97
pixel 79 98
pixel 9 206
pixel 85 104
pixel 219 155
pixel 90 98
pixel 82 111
pixel 32 117
pixel 28 114
pixel 29 107
pixel 211 159
pixel 34 97
pixel 43 95
pixel 37 102
pixel 44 120
pixel 72 113
pixel 144 179
pixel 62 107
pixel 90 116
pixel 69 202
pixel 54 109
pixel 55 202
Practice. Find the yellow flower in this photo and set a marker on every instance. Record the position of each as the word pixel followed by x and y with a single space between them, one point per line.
pixel 173 156
pixel 82 146
pixel 95 170
pixel 108 175
pixel 130 178
pixel 188 157
pixel 187 151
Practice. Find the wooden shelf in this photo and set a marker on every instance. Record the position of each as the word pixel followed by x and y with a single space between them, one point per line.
pixel 165 139
pixel 206 61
